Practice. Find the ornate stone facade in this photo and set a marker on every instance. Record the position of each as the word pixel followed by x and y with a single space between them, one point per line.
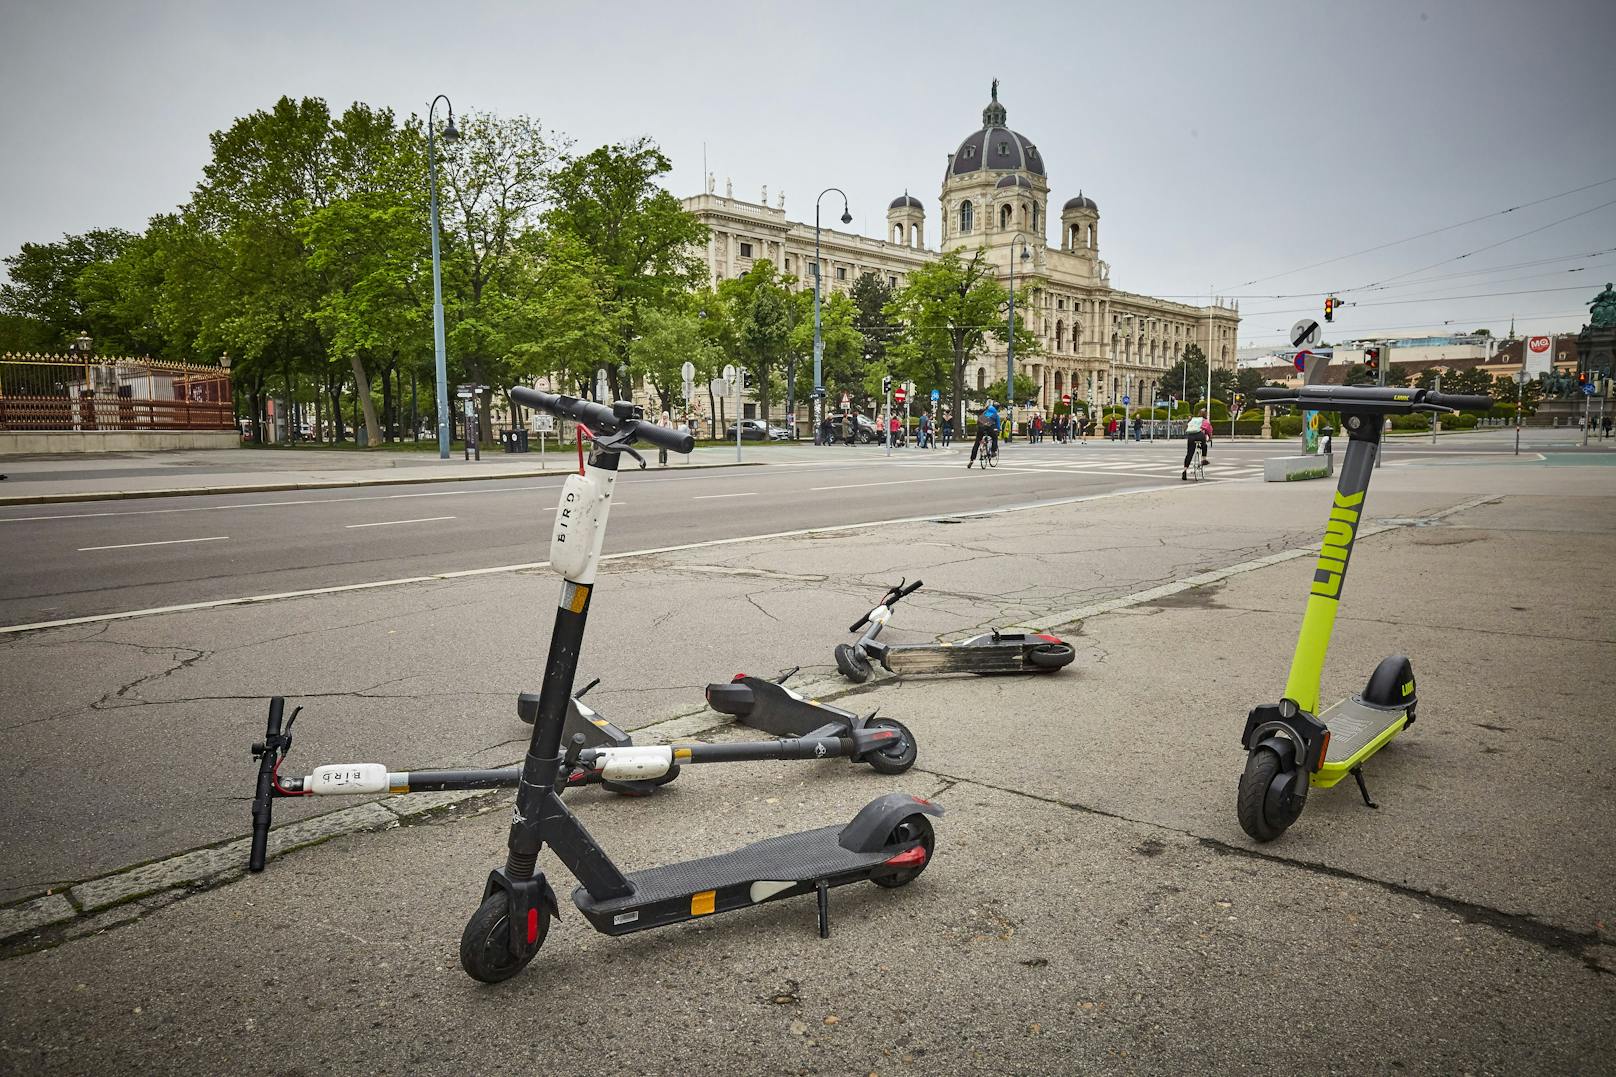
pixel 1099 342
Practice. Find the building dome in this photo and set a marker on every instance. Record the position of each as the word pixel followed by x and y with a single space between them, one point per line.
pixel 995 147
pixel 1080 203
pixel 1014 181
pixel 907 201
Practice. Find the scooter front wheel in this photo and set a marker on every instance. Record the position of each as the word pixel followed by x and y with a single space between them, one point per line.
pixel 913 828
pixel 485 945
pixel 853 665
pixel 1050 656
pixel 1267 803
pixel 900 755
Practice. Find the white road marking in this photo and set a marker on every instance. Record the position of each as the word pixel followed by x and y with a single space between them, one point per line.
pixel 391 523
pixel 709 497
pixel 890 482
pixel 164 542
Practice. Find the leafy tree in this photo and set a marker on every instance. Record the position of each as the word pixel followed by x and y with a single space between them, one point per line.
pixel 948 308
pixel 844 363
pixel 1026 388
pixel 760 312
pixel 564 326
pixel 1186 378
pixel 642 239
pixel 668 339
pixel 494 180
pixel 1358 374
pixel 44 293
pixel 871 294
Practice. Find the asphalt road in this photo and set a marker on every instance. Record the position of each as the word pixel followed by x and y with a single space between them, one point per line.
pixel 65 561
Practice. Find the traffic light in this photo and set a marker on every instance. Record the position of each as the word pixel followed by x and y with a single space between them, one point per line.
pixel 886 384
pixel 1371 360
pixel 1329 308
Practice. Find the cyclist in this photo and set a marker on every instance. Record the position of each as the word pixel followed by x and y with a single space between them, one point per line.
pixel 987 428
pixel 1198 435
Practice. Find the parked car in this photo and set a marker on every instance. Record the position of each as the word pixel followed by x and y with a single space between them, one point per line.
pixel 758 430
pixel 867 432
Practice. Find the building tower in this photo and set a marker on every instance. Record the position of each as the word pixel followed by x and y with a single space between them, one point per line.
pixel 906 222
pixel 1080 228
pixel 994 186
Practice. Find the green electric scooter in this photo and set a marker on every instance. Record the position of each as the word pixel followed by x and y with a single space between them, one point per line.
pixel 1290 746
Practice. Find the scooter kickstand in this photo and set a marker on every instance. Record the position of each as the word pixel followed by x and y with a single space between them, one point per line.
pixel 1357 772
pixel 824 909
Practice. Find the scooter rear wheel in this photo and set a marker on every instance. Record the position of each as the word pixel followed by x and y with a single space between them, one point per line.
pixel 900 756
pixel 1051 656
pixel 1265 806
pixel 913 828
pixel 853 665
pixel 485 945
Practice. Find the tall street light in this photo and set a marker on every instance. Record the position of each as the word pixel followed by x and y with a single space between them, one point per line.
pixel 819 345
pixel 449 135
pixel 1010 348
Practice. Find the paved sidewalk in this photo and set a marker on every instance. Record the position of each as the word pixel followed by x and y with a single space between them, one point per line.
pixel 1093 906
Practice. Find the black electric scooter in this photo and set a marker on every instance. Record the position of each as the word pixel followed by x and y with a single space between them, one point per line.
pixel 991 652
pixel 774 708
pixel 889 842
pixel 1289 747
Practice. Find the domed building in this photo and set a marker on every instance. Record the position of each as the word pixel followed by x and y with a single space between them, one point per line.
pixel 1099 343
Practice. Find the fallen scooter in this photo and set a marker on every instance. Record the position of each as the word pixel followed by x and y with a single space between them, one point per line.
pixel 774 708
pixel 991 652
pixel 1289 747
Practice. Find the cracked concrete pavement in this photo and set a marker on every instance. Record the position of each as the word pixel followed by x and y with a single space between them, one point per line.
pixel 1093 905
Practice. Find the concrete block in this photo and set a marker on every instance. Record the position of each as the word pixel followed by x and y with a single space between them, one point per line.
pixel 35 914
pixel 1292 468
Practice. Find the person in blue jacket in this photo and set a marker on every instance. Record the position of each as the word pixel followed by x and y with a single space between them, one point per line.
pixel 987 428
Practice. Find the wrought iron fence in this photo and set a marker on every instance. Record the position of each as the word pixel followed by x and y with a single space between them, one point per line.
pixel 69 392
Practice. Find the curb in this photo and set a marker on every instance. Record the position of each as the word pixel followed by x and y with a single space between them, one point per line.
pixel 268 487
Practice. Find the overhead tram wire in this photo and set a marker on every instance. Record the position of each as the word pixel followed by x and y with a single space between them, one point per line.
pixel 1421 299
pixel 1422 235
pixel 1282 342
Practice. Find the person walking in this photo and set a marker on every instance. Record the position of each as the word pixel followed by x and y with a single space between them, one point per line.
pixel 847 427
pixel 987 429
pixel 925 430
pixel 948 429
pixel 1604 427
pixel 662 450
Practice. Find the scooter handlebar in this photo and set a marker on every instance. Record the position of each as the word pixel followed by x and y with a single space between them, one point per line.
pixel 268 753
pixel 1459 401
pixel 601 419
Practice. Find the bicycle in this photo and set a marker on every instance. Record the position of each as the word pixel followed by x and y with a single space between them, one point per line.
pixel 990 453
pixel 1197 468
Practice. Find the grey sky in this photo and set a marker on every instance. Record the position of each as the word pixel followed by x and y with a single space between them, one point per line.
pixel 1223 142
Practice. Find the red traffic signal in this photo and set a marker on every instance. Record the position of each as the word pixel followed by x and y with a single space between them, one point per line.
pixel 1371 358
pixel 1582 377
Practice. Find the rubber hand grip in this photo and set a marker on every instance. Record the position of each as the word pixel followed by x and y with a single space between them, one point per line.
pixel 665 437
pixel 1459 401
pixel 1273 392
pixel 597 417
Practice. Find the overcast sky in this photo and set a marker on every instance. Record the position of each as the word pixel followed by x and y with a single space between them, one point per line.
pixel 1224 143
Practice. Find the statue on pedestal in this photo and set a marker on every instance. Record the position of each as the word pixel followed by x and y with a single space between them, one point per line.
pixel 1602 309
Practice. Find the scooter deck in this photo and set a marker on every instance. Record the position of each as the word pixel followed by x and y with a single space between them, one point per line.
pixel 946 658
pixel 774 867
pixel 776 709
pixel 1357 731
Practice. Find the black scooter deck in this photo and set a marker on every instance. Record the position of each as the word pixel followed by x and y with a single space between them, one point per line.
pixel 721 883
pixel 993 658
pixel 776 709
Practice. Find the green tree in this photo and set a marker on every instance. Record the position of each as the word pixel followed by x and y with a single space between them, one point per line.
pixel 1186 378
pixel 565 329
pixel 494 181
pixel 760 311
pixel 1026 388
pixel 947 309
pixel 668 339
pixel 844 362
pixel 642 239
pixel 44 294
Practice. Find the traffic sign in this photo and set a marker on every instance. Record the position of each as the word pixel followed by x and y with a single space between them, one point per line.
pixel 729 375
pixel 936 396
pixel 847 400
pixel 1164 403
pixel 1066 398
pixel 1127 400
pixel 688 372
pixel 1304 332
pixel 1588 389
pixel 543 423
pixel 898 395
pixel 1301 359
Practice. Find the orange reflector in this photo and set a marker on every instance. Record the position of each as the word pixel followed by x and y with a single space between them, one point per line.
pixel 1324 749
pixel 702 904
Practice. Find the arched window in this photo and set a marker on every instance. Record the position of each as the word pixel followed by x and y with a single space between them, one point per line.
pixel 897 233
pixel 914 235
pixel 1006 212
pixel 981 379
pixel 966 213
pixel 1060 344
pixel 1035 216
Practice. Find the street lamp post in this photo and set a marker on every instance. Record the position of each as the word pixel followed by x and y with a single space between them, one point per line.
pixel 819 344
pixel 1010 347
pixel 449 135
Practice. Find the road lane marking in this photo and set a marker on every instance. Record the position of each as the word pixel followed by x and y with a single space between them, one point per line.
pixel 391 523
pixel 709 497
pixel 164 542
pixel 890 482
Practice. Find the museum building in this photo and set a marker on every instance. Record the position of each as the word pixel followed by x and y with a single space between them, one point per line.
pixel 1099 342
